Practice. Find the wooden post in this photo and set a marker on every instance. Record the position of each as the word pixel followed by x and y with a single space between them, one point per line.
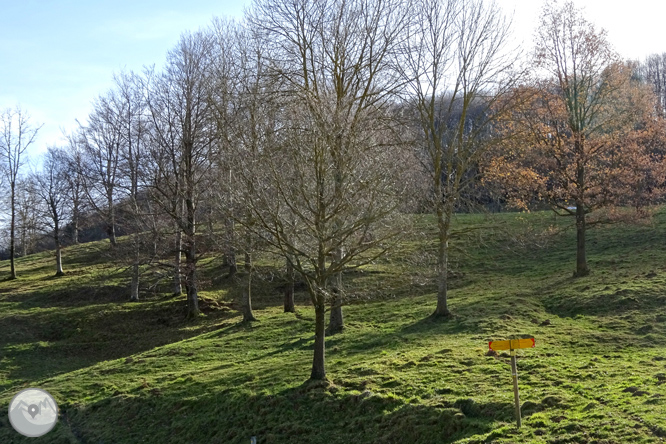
pixel 514 374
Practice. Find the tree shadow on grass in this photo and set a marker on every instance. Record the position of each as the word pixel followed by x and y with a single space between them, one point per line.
pixel 44 344
pixel 605 302
pixel 77 297
pixel 385 340
pixel 314 412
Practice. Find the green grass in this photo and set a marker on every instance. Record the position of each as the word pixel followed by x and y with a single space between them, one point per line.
pixel 141 373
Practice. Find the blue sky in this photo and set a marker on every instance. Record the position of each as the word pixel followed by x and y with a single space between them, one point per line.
pixel 56 56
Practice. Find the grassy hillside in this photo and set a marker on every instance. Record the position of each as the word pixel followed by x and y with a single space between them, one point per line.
pixel 141 373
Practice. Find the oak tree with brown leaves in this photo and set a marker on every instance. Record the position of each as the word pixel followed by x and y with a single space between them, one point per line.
pixel 581 130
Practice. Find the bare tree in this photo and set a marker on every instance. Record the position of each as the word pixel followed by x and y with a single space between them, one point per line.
pixel 75 180
pixel 183 144
pixel 100 140
pixel 133 136
pixel 225 100
pixel 653 71
pixel 325 189
pixel 16 135
pixel 51 186
pixel 28 225
pixel 237 82
pixel 458 69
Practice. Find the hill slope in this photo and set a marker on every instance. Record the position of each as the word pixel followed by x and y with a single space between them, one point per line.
pixel 130 373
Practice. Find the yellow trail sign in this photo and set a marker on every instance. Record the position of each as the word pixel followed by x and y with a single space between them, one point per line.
pixel 511 344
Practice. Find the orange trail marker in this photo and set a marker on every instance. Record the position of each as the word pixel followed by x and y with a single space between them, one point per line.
pixel 512 345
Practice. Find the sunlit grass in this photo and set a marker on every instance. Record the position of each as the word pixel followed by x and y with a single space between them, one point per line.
pixel 129 373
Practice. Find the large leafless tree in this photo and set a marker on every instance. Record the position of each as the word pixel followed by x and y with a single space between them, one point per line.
pixel 183 144
pixel 129 100
pixel 458 69
pixel 326 190
pixel 51 186
pixel 100 144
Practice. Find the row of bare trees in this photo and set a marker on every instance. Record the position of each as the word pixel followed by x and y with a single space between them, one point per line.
pixel 306 129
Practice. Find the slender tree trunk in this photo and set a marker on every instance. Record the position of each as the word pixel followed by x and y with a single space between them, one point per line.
pixel 134 288
pixel 246 303
pixel 75 222
pixel 24 241
pixel 336 321
pixel 443 223
pixel 56 238
pixel 191 279
pixel 111 232
pixel 230 252
pixel 191 255
pixel 177 287
pixel 289 306
pixel 318 361
pixel 581 256
pixel 111 226
pixel 12 235
pixel 59 271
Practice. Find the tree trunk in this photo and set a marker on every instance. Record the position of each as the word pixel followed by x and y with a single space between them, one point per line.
pixel 111 232
pixel 111 226
pixel 134 289
pixel 59 271
pixel 230 252
pixel 246 302
pixel 581 257
pixel 318 361
pixel 24 241
pixel 177 287
pixel 56 238
pixel 336 321
pixel 191 280
pixel 289 306
pixel 443 223
pixel 75 222
pixel 12 235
